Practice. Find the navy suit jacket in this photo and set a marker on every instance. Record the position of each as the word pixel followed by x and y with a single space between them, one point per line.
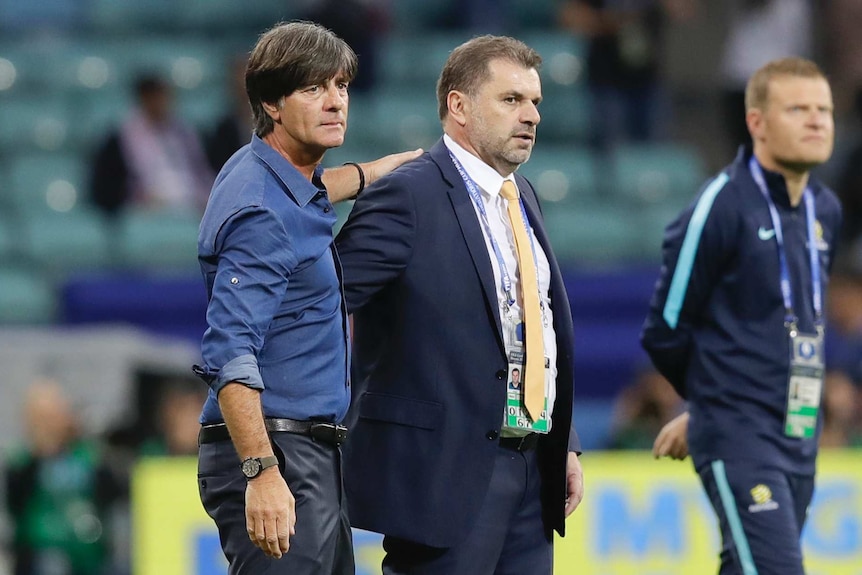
pixel 429 362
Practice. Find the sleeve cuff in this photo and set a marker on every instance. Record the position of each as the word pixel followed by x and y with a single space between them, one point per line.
pixel 574 441
pixel 242 369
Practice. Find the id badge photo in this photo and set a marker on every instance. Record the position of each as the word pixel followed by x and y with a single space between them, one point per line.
pixel 516 417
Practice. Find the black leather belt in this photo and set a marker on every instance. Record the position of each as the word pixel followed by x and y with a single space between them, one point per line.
pixel 525 443
pixel 319 430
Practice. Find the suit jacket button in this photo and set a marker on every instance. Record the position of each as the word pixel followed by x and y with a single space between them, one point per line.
pixel 492 435
pixel 501 374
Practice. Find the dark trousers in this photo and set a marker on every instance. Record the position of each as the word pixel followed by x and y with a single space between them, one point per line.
pixel 507 538
pixel 761 512
pixel 323 541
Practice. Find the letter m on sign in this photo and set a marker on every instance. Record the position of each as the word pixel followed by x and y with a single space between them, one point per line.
pixel 625 527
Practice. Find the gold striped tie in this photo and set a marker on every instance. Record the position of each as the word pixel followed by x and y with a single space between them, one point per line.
pixel 534 379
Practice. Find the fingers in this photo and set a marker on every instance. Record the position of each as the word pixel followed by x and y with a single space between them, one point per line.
pixel 659 447
pixel 573 500
pixel 270 515
pixel 270 534
pixel 574 483
pixel 679 450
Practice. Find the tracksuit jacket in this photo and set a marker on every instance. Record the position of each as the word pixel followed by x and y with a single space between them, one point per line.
pixel 716 324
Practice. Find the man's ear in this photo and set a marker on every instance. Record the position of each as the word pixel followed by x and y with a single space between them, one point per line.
pixel 273 110
pixel 754 119
pixel 458 104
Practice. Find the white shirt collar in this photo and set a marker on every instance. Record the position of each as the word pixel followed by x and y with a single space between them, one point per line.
pixel 486 177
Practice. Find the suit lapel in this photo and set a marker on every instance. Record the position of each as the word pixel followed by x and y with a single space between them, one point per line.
pixel 470 229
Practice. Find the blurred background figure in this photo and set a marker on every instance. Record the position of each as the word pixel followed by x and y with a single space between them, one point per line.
pixel 759 31
pixel 844 339
pixel 849 189
pixel 641 409
pixel 177 427
pixel 153 160
pixel 57 491
pixel 361 23
pixel 841 412
pixel 233 128
pixel 623 63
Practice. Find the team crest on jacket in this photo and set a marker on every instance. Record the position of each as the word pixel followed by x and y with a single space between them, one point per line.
pixel 822 244
pixel 762 496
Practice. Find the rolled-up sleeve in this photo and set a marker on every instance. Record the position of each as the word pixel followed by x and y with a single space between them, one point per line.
pixel 254 261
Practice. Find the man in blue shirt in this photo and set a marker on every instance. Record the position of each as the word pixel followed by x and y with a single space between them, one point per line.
pixel 736 323
pixel 277 351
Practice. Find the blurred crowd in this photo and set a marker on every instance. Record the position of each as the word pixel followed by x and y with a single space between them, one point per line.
pixel 67 491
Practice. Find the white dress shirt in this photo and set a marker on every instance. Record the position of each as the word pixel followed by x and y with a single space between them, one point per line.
pixel 489 183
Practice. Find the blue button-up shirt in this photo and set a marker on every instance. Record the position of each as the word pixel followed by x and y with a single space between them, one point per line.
pixel 276 316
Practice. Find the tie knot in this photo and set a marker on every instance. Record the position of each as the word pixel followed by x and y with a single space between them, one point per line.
pixel 509 191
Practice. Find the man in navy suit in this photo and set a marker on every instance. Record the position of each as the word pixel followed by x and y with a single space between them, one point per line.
pixel 443 460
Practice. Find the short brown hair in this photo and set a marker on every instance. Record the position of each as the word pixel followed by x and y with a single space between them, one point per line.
pixel 290 56
pixel 757 90
pixel 467 66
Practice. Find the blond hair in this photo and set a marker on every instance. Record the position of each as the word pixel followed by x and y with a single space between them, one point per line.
pixel 757 90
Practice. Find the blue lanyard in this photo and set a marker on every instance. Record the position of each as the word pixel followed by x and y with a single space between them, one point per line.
pixel 476 196
pixel 810 220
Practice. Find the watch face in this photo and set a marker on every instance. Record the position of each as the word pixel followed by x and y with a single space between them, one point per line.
pixel 251 467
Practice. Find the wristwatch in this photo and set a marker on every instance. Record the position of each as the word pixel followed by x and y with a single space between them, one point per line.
pixel 252 466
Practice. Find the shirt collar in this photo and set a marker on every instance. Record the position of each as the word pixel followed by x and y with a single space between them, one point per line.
pixel 298 186
pixel 486 177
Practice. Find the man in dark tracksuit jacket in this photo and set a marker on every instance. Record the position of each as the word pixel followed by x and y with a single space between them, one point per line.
pixel 722 329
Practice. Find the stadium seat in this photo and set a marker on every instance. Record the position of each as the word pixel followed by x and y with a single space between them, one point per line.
pixel 45 182
pixel 565 114
pixel 6 202
pixel 533 14
pixel 125 16
pixel 26 298
pixel 158 241
pixel 189 62
pixel 563 57
pixel 64 244
pixel 652 222
pixel 418 15
pixel 8 241
pixel 563 175
pixel 62 63
pixel 656 173
pixel 229 15
pixel 56 14
pixel 598 236
pixel 35 121
pixel 405 119
pixel 415 60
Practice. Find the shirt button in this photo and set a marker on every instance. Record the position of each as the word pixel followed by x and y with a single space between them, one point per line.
pixel 326 210
pixel 501 374
pixel 492 435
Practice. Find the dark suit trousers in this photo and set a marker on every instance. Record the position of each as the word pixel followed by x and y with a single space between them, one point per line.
pixel 323 542
pixel 507 538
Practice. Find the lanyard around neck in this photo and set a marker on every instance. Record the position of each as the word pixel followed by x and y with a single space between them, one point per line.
pixel 814 258
pixel 476 196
